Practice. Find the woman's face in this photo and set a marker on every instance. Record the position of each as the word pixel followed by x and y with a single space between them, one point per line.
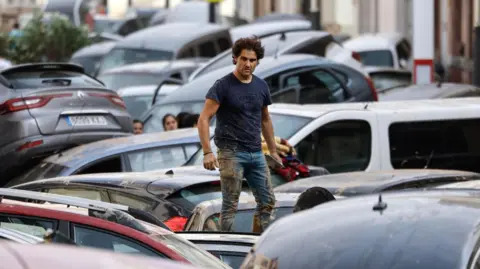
pixel 170 123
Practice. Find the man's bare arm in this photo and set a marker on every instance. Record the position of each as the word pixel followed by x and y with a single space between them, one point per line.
pixel 267 131
pixel 203 124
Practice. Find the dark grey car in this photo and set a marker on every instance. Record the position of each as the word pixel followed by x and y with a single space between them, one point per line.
pixel 292 78
pixel 149 73
pixel 50 107
pixel 168 42
pixel 305 41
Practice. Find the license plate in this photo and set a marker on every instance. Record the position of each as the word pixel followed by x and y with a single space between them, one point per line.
pixel 86 120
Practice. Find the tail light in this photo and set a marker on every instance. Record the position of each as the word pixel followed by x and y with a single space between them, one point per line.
pixel 115 99
pixel 30 144
pixel 372 88
pixel 176 223
pixel 356 56
pixel 19 104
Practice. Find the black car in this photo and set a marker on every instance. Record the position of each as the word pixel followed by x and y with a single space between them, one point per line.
pixel 404 230
pixel 170 197
pixel 358 183
pixel 292 78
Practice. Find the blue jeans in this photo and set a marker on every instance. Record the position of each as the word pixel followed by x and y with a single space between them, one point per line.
pixel 234 167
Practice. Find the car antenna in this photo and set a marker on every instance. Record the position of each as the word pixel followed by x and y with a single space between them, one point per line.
pixel 169 172
pixel 380 205
pixel 429 159
pixel 282 38
pixel 366 106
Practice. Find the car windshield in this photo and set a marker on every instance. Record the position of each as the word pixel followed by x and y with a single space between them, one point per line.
pixel 42 171
pixel 90 64
pixel 386 80
pixel 284 126
pixel 190 252
pixel 107 26
pixel 271 44
pixel 46 79
pixel 155 124
pixel 137 105
pixel 116 81
pixel 191 196
pixel 376 58
pixel 243 219
pixel 123 56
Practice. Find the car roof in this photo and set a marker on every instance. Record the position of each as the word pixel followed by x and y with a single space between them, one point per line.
pixel 118 145
pixel 268 65
pixel 408 232
pixel 219 238
pixel 368 42
pixel 45 256
pixel 154 67
pixel 268 28
pixel 426 91
pixel 156 183
pixel 97 49
pixel 428 106
pixel 137 90
pixel 356 183
pixel 169 36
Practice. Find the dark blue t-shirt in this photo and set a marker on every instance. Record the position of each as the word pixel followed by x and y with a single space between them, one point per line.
pixel 239 117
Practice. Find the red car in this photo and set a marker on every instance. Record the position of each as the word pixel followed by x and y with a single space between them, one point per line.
pixel 86 228
pixel 22 256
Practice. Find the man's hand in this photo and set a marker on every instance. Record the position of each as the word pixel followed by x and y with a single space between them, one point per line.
pixel 210 162
pixel 276 156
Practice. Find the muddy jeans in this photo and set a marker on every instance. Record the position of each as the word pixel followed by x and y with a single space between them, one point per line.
pixel 234 166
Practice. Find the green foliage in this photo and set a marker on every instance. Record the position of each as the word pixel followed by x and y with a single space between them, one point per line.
pixel 52 40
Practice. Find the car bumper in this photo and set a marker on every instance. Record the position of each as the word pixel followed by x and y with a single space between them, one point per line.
pixel 12 158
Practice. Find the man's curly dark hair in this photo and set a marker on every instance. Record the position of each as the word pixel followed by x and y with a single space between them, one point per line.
pixel 248 43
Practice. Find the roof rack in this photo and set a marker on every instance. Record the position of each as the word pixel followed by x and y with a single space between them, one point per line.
pixel 102 210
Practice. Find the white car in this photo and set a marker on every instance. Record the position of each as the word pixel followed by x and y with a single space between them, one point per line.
pixel 387 50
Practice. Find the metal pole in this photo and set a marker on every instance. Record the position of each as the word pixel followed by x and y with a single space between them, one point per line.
pixel 167 3
pixel 314 15
pixel 476 57
pixel 211 12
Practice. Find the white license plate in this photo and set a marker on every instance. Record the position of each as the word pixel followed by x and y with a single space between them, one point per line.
pixel 86 120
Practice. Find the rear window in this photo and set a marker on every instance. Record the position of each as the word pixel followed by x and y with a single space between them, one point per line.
pixel 191 196
pixel 376 58
pixel 386 80
pixel 120 57
pixel 51 78
pixel 121 80
pixel 190 252
pixel 137 105
pixel 243 222
pixel 41 171
pixel 89 64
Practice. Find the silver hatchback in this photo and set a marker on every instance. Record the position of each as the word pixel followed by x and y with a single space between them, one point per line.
pixel 47 108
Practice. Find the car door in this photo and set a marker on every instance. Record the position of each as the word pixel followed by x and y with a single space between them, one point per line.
pixel 88 236
pixel 160 157
pixel 312 85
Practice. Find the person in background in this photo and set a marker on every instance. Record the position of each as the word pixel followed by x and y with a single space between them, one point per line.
pixel 14 34
pixel 137 127
pixel 190 121
pixel 312 197
pixel 181 118
pixel 169 122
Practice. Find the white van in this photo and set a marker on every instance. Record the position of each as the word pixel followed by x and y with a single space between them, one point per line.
pixel 383 135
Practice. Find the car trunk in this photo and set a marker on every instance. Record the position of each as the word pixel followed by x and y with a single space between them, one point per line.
pixel 64 110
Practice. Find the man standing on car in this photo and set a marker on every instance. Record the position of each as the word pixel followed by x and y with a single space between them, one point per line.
pixel 240 102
